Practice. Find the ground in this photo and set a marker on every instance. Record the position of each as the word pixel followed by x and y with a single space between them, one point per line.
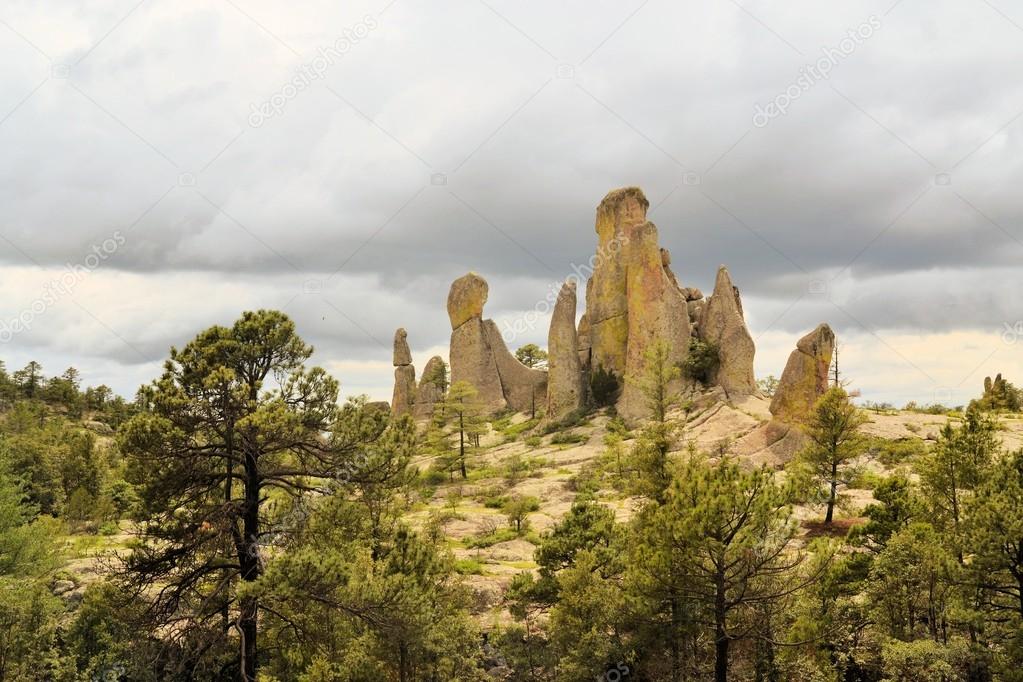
pixel 741 428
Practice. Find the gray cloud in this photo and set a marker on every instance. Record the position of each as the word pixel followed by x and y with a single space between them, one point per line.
pixel 481 136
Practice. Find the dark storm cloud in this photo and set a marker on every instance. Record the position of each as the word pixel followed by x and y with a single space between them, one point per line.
pixel 440 139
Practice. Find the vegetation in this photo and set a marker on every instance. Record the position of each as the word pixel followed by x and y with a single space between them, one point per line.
pixel 701 363
pixel 834 441
pixel 531 355
pixel 237 522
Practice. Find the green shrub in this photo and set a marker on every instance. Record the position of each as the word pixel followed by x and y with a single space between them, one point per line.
pixel 468 567
pixel 604 387
pixel 567 438
pixel 895 452
pixel 702 361
pixel 534 441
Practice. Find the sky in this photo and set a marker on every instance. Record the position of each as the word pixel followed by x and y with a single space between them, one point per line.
pixel 168 165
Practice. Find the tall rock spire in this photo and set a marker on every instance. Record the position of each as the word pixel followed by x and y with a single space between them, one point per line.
pixel 565 390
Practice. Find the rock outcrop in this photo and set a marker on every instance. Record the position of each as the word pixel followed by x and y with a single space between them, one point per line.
pixel 805 378
pixel 565 389
pixel 431 389
pixel 721 323
pixel 404 376
pixel 633 298
pixel 480 357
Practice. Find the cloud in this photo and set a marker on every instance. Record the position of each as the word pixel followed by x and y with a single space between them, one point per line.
pixel 482 136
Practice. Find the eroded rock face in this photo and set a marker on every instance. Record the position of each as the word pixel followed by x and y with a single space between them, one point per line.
pixel 402 354
pixel 431 387
pixel 480 357
pixel 565 388
pixel 722 323
pixel 619 215
pixel 805 378
pixel 633 298
pixel 472 360
pixel 466 299
pixel 404 395
pixel 657 312
pixel 524 388
pixel 583 336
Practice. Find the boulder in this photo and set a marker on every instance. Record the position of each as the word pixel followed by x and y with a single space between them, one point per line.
pixel 805 378
pixel 402 354
pixel 431 387
pixel 722 323
pixel 692 294
pixel 565 388
pixel 466 299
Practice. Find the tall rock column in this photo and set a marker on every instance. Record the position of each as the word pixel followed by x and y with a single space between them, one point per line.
pixel 632 299
pixel 805 378
pixel 480 357
pixel 607 305
pixel 657 313
pixel 404 376
pixel 565 389
pixel 471 357
pixel 722 324
pixel 431 387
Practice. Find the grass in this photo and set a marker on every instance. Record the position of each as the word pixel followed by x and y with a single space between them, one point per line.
pixel 468 567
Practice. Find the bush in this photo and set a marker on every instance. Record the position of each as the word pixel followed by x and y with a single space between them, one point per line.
pixel 468 567
pixel 604 386
pixel 534 441
pixel 567 438
pixel 702 361
pixel 895 452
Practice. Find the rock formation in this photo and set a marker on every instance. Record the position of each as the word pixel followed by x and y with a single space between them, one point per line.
pixel 633 298
pixel 431 389
pixel 565 389
pixel 721 323
pixel 480 357
pixel 805 378
pixel 404 376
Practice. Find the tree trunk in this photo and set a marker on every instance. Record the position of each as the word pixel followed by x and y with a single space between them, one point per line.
pixel 720 631
pixel 676 657
pixel 834 491
pixel 461 445
pixel 248 616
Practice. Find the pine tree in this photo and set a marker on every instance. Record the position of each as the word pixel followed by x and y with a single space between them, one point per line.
pixel 833 430
pixel 235 418
pixel 460 417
